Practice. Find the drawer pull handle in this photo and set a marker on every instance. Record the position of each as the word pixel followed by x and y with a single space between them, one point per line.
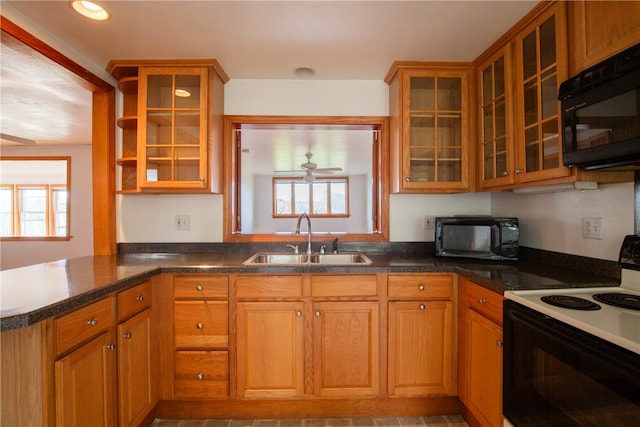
pixel 199 325
pixel 421 288
pixel 318 313
pixel 127 335
pixel 422 307
pixel 92 322
pixel 499 343
pixel 140 298
pixel 299 313
pixel 199 288
pixel 111 346
pixel 200 376
pixel 482 300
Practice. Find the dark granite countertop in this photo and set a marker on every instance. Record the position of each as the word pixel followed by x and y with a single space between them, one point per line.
pixel 31 294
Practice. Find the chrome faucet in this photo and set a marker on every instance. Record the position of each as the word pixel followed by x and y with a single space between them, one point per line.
pixel 309 251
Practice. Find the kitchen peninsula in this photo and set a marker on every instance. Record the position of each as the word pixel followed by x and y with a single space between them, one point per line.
pixel 52 313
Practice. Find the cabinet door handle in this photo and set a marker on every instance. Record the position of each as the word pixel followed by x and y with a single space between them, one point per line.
pixel 299 313
pixel 506 173
pixel 127 335
pixel 111 346
pixel 140 298
pixel 422 307
pixel 92 322
pixel 519 171
pixel 199 325
pixel 499 343
pixel 198 288
pixel 201 178
pixel 199 376
pixel 408 179
pixel 482 300
pixel 318 313
pixel 421 288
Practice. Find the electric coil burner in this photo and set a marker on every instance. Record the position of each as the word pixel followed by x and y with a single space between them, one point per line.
pixel 628 301
pixel 575 303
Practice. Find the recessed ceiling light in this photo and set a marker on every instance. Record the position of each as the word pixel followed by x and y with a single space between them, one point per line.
pixel 90 10
pixel 304 72
pixel 182 93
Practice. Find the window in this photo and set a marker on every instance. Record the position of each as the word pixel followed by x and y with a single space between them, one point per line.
pixel 34 200
pixel 326 197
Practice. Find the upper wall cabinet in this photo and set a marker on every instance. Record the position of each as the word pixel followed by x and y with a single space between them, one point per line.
pixel 171 125
pixel 600 29
pixel 430 121
pixel 540 67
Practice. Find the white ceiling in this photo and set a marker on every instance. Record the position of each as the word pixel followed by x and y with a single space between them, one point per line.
pixel 257 40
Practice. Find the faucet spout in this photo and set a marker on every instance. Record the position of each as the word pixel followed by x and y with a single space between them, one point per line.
pixel 304 215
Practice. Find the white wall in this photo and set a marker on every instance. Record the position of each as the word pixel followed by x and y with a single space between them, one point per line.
pixel 18 254
pixel 553 221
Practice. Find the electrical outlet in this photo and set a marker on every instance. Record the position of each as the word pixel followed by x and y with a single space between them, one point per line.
pixel 429 223
pixel 182 222
pixel 592 228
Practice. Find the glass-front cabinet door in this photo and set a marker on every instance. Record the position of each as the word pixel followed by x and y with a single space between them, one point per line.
pixel 434 153
pixel 172 134
pixel 496 112
pixel 541 65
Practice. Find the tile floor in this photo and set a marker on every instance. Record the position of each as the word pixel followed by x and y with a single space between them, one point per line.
pixel 438 421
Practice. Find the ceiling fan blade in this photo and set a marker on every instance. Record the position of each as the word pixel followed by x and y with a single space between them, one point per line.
pixel 325 170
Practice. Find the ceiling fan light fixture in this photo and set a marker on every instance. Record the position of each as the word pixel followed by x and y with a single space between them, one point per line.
pixel 309 178
pixel 304 72
pixel 90 10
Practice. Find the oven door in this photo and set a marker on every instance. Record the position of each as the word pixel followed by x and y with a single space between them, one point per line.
pixel 557 375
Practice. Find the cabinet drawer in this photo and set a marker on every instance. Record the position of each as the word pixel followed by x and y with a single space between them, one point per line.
pixel 133 300
pixel 201 374
pixel 268 286
pixel 83 324
pixel 421 286
pixel 344 285
pixel 201 324
pixel 485 302
pixel 201 287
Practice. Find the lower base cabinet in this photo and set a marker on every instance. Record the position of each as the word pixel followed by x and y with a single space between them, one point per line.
pixel 85 385
pixel 481 354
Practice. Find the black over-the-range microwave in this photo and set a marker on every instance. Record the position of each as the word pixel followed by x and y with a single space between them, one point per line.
pixel 601 113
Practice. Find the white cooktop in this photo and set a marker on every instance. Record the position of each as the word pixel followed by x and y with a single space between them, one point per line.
pixel 617 325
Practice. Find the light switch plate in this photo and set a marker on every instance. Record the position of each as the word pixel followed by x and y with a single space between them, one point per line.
pixel 592 228
pixel 182 222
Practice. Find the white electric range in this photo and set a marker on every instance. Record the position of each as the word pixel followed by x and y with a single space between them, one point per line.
pixel 588 311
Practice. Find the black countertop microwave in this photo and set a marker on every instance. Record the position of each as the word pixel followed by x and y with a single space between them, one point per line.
pixel 481 237
pixel 601 113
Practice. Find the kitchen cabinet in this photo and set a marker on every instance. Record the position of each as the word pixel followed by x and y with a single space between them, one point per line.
pixel 496 153
pixel 480 364
pixel 136 393
pixel 171 125
pixel 293 343
pixel 421 352
pixel 201 336
pixel 540 66
pixel 85 377
pixel 600 29
pixel 430 118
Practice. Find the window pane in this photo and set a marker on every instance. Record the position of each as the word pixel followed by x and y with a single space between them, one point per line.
pixel 320 199
pixel 6 195
pixel 301 195
pixel 339 198
pixel 283 198
pixel 33 211
pixel 60 211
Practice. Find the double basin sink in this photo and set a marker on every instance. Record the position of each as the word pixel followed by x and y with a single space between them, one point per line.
pixel 345 258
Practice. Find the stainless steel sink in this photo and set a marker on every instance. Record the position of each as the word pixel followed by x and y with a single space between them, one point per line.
pixel 345 258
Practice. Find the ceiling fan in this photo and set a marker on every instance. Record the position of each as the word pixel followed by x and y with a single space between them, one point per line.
pixel 310 170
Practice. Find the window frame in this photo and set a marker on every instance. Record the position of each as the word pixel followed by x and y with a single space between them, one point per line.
pixel 50 210
pixel 295 181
